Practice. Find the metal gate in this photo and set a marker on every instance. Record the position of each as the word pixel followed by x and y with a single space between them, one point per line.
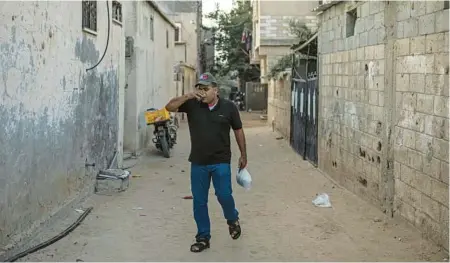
pixel 256 96
pixel 304 121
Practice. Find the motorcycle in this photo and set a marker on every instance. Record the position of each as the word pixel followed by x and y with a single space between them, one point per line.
pixel 239 101
pixel 165 133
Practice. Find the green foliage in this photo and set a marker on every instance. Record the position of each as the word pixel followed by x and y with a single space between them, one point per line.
pixel 231 57
pixel 303 34
pixel 300 30
pixel 282 64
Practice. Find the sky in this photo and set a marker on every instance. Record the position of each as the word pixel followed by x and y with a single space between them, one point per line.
pixel 210 5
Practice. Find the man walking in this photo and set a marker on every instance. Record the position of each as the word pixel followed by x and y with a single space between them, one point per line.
pixel 210 118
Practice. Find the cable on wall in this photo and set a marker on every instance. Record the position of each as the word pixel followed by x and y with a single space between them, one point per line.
pixel 107 39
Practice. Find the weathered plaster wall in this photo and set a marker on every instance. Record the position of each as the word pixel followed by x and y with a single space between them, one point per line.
pixel 187 80
pixel 383 108
pixel 55 116
pixel 188 36
pixel 279 105
pixel 149 71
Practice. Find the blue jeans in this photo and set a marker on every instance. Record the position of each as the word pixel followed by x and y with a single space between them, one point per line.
pixel 200 181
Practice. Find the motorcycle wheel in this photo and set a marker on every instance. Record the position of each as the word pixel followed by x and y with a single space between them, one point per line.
pixel 165 146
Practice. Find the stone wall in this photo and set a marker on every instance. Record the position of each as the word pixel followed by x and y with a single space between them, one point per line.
pixel 383 107
pixel 421 131
pixel 276 28
pixel 274 17
pixel 279 105
pixel 55 115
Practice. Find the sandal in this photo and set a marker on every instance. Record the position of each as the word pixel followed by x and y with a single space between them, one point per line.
pixel 235 229
pixel 200 245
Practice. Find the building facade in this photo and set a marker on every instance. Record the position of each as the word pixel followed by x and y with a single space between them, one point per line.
pixel 383 113
pixel 383 106
pixel 272 38
pixel 60 106
pixel 149 68
pixel 184 15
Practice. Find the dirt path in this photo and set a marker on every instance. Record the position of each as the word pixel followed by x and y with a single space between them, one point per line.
pixel 279 222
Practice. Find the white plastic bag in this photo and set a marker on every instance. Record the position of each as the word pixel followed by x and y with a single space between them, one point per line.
pixel 322 200
pixel 244 178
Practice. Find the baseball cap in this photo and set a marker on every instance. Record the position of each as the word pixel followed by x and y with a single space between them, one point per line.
pixel 206 79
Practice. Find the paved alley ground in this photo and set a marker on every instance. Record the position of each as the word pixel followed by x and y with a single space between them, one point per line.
pixel 151 222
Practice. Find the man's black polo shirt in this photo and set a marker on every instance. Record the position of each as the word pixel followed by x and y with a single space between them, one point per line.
pixel 210 130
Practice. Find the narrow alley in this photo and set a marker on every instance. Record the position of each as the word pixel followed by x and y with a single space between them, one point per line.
pixel 152 222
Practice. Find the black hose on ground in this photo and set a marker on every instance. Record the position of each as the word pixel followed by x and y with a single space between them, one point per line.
pixel 52 240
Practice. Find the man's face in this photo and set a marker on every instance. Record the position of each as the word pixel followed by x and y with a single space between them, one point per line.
pixel 209 92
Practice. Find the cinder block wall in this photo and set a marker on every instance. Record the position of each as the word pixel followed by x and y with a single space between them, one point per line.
pixel 279 105
pixel 383 108
pixel 421 125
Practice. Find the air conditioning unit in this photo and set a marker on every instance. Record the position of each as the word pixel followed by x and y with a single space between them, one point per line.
pixel 176 77
pixel 129 46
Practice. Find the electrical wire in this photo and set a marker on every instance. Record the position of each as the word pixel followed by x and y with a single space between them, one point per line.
pixel 107 39
pixel 52 240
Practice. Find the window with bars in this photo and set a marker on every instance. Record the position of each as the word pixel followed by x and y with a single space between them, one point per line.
pixel 177 34
pixel 177 37
pixel 152 29
pixel 167 38
pixel 89 19
pixel 351 17
pixel 117 11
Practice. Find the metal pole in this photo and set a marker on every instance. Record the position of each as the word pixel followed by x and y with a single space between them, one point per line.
pixel 305 99
pixel 293 77
pixel 199 38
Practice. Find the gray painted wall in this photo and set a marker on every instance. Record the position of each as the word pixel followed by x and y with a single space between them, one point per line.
pixel 55 116
pixel 149 71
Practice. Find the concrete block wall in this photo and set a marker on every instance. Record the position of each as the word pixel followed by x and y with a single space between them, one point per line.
pixel 421 130
pixel 279 105
pixel 351 100
pixel 383 108
pixel 271 19
pixel 277 27
pixel 55 116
